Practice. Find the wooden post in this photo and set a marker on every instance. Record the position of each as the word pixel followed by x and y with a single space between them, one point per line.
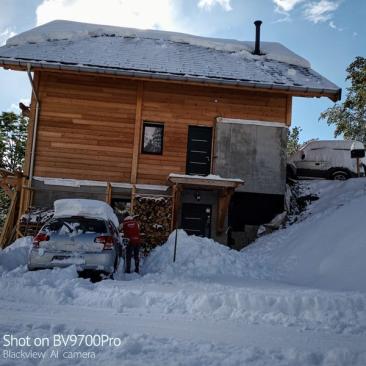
pixel 8 229
pixel 22 205
pixel 137 135
pixel 108 197
pixel 222 208
pixel 288 110
pixel 133 194
pixel 213 147
pixel 176 204
pixel 28 148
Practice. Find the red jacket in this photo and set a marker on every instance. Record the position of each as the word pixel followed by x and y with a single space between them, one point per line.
pixel 131 230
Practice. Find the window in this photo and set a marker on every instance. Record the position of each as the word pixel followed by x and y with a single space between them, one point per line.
pixel 75 226
pixel 152 138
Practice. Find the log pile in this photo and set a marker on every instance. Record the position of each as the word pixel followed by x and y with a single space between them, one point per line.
pixel 33 220
pixel 155 216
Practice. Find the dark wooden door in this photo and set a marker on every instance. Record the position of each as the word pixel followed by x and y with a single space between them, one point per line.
pixel 196 219
pixel 199 150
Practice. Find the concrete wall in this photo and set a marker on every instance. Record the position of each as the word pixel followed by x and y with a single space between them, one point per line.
pixel 45 194
pixel 253 152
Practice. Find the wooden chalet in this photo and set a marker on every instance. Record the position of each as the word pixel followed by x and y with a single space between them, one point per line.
pixel 184 130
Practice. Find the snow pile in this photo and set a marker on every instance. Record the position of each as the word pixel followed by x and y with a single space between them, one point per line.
pixel 327 249
pixel 72 31
pixel 213 306
pixel 215 297
pixel 15 255
pixel 85 207
pixel 196 257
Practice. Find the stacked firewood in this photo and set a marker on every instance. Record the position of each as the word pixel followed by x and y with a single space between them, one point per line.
pixel 33 220
pixel 154 215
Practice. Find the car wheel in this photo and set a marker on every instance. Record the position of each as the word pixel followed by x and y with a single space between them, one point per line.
pixel 340 175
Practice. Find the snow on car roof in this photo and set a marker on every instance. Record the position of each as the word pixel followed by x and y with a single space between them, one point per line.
pixel 163 55
pixel 85 207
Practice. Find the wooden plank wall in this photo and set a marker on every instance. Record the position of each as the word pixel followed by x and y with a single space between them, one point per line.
pixel 179 106
pixel 86 127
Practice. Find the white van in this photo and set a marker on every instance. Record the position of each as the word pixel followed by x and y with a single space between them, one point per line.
pixel 329 159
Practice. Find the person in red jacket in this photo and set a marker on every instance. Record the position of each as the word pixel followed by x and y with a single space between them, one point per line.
pixel 131 231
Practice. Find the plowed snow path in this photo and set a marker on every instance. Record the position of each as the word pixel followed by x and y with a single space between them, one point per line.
pixel 190 322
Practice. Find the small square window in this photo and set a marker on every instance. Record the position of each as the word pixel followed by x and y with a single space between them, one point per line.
pixel 152 138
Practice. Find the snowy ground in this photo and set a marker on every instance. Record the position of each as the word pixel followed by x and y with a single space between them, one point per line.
pixel 295 297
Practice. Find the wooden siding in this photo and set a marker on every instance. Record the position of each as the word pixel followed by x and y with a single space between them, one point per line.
pixel 179 106
pixel 87 124
pixel 86 127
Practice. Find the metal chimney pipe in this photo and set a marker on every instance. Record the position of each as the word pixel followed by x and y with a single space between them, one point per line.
pixel 257 49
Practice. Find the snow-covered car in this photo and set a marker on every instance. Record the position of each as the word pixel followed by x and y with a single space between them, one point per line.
pixel 329 159
pixel 82 233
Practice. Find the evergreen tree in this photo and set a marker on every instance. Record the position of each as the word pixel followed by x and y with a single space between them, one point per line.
pixel 349 117
pixel 13 136
pixel 293 140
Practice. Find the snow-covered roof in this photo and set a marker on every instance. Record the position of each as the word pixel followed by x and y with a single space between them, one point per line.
pixel 164 55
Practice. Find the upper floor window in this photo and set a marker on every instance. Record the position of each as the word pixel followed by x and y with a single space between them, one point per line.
pixel 152 138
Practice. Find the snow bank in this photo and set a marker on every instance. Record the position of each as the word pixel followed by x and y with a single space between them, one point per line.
pixel 85 207
pixel 173 294
pixel 210 306
pixel 327 249
pixel 196 257
pixel 15 255
pixel 72 31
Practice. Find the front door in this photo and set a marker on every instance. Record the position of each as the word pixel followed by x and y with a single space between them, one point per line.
pixel 199 150
pixel 196 219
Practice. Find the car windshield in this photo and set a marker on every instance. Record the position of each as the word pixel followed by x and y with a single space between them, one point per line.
pixel 75 226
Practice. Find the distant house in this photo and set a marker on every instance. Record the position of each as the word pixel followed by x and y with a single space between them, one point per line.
pixel 120 114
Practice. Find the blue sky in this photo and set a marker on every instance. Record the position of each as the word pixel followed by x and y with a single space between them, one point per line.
pixel 329 33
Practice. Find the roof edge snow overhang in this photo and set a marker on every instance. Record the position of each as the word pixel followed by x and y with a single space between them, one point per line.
pixel 213 182
pixel 21 65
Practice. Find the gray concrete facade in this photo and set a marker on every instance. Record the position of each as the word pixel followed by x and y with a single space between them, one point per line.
pixel 254 152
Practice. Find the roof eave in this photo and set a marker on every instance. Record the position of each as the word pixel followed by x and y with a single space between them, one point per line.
pixel 17 64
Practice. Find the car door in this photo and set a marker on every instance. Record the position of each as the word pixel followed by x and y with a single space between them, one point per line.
pixel 312 162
